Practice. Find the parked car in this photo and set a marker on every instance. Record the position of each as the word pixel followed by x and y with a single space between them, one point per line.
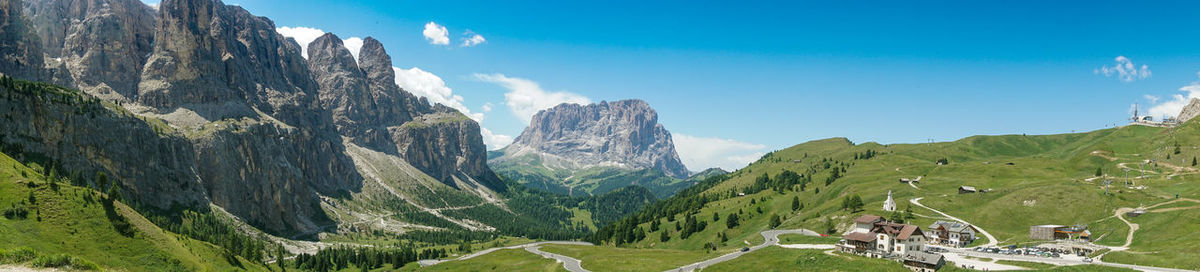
pixel 744 249
pixel 1087 260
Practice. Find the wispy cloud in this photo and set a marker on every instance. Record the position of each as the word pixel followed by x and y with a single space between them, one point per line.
pixel 1124 70
pixel 436 34
pixel 700 153
pixel 525 97
pixel 472 39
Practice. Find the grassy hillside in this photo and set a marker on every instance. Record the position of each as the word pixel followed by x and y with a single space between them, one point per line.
pixel 72 221
pixel 500 260
pixel 1042 179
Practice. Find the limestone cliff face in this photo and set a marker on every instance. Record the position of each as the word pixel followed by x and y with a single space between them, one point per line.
pixel 446 145
pixel 370 109
pixel 101 44
pixel 20 55
pixel 155 169
pixel 256 128
pixel 1190 111
pixel 622 134
pixel 269 147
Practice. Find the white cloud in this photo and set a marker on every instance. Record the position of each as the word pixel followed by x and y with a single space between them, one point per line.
pixel 700 153
pixel 1124 70
pixel 472 39
pixel 525 97
pixel 354 44
pixel 436 34
pixel 487 107
pixel 430 86
pixel 1178 101
pixel 1151 98
pixel 302 35
pixel 494 141
pixel 306 35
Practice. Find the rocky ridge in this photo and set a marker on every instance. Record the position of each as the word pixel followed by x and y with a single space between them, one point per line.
pixel 622 134
pixel 244 121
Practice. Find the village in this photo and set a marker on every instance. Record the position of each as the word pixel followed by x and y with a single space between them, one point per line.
pixel 932 247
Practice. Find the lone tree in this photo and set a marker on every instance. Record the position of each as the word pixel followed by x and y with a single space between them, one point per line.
pixel 731 221
pixel 796 202
pixel 664 236
pixel 101 180
pixel 775 221
pixel 1099 172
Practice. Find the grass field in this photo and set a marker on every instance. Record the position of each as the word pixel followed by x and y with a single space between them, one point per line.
pixel 1031 180
pixel 604 258
pixel 500 260
pixel 71 221
pixel 805 239
pixel 1163 240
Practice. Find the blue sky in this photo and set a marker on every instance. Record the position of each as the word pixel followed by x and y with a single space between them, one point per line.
pixel 734 80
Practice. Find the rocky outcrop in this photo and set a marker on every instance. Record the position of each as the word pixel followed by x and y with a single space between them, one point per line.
pixel 78 133
pixel 346 93
pixel 268 148
pixel 256 128
pixel 20 55
pixel 1190 111
pixel 446 145
pixel 619 134
pixel 370 109
pixel 101 44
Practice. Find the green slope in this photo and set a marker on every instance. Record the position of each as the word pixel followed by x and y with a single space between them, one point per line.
pixel 1043 179
pixel 70 220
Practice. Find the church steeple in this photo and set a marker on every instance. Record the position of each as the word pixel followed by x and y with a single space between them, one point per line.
pixel 889 204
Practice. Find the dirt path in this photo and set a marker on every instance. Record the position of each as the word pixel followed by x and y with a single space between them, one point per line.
pixel 1133 227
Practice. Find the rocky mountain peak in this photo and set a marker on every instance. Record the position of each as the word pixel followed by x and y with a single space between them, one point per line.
pixel 375 62
pixel 622 133
pixel 1190 111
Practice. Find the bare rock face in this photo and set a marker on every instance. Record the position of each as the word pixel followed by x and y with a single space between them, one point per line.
pixel 370 109
pixel 1190 111
pixel 20 55
pixel 346 93
pixel 101 44
pixel 154 169
pixel 269 148
pixel 446 145
pixel 257 128
pixel 624 133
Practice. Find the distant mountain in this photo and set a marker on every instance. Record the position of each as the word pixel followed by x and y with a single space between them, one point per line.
pixel 593 149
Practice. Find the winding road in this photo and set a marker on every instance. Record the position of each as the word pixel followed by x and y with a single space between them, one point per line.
pixel 571 264
pixel 770 238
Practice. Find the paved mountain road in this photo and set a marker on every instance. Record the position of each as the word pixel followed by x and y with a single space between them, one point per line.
pixel 770 238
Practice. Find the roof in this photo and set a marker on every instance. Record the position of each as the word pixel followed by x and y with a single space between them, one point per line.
pixel 968 188
pixel 909 230
pixel 956 227
pixel 859 236
pixel 868 219
pixel 1050 226
pixel 923 257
